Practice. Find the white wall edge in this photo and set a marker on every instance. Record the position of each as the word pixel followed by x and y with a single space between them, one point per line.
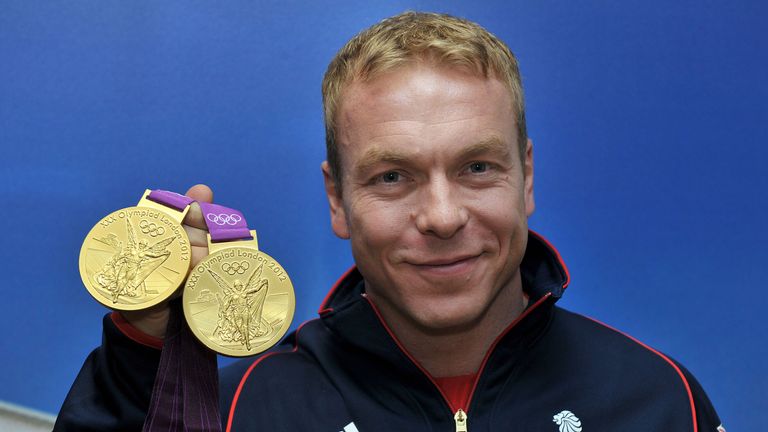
pixel 21 419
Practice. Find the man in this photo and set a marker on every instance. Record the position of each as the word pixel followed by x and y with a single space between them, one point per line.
pixel 448 321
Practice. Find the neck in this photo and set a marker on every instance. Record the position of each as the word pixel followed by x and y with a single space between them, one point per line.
pixel 461 350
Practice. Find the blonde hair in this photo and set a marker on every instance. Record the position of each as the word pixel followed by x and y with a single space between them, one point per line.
pixel 409 37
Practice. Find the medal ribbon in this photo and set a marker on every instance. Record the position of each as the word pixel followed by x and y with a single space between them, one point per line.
pixel 170 199
pixel 185 395
pixel 224 223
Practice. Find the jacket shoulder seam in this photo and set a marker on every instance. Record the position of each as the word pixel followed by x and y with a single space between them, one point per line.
pixel 250 369
pixel 668 360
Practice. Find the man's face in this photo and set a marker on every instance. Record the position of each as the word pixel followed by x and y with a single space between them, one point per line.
pixel 434 196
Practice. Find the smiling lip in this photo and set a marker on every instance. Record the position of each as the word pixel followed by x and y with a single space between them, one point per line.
pixel 454 266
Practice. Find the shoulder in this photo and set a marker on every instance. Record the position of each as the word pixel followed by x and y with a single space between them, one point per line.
pixel 277 382
pixel 606 344
pixel 618 367
pixel 593 347
pixel 287 362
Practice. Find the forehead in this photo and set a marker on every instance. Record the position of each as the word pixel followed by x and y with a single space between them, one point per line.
pixel 423 107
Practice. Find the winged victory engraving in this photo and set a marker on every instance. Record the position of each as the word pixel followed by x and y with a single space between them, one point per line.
pixel 240 308
pixel 126 270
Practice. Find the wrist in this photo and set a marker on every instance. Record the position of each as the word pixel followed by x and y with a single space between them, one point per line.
pixel 145 329
pixel 133 333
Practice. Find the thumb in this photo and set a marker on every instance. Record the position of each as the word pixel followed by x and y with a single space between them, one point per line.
pixel 200 192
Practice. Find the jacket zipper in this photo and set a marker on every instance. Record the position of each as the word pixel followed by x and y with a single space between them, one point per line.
pixel 461 420
pixel 460 417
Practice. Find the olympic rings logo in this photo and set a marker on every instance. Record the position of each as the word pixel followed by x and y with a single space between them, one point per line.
pixel 224 219
pixel 235 267
pixel 151 228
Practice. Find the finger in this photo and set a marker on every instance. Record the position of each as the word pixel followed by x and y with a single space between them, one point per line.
pixel 199 192
pixel 194 217
pixel 197 236
pixel 198 253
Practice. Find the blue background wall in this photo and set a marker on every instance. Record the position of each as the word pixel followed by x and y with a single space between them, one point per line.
pixel 648 117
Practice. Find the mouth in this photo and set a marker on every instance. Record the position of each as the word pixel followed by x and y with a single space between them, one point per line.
pixel 449 266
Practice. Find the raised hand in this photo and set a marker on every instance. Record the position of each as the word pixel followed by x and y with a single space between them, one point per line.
pixel 154 320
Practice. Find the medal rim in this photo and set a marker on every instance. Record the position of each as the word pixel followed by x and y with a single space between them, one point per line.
pixel 139 306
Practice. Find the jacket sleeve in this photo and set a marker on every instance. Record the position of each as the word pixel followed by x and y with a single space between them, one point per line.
pixel 706 416
pixel 114 386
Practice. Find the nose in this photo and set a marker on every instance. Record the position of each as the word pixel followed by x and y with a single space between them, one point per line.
pixel 440 212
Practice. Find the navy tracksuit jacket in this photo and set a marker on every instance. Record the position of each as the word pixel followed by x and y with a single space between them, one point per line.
pixel 551 370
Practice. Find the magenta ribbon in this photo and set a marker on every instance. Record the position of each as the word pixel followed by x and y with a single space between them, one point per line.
pixel 224 223
pixel 185 395
pixel 170 199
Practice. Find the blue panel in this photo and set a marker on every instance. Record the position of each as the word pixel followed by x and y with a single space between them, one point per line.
pixel 649 121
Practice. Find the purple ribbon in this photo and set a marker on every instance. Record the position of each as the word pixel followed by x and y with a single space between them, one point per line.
pixel 185 395
pixel 170 199
pixel 224 223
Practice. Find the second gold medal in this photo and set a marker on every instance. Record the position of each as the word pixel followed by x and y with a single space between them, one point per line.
pixel 238 301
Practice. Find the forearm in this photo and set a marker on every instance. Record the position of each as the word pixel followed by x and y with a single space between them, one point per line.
pixel 114 386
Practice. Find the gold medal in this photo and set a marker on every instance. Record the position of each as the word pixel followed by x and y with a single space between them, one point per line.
pixel 238 301
pixel 136 257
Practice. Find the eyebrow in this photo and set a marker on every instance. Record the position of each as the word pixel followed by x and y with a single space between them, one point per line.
pixel 377 155
pixel 491 145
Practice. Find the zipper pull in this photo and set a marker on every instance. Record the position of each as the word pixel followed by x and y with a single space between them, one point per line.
pixel 461 420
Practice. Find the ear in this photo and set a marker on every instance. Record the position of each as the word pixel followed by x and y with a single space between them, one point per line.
pixel 530 203
pixel 338 214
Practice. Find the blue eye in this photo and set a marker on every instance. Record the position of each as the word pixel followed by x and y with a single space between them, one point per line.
pixel 390 177
pixel 478 167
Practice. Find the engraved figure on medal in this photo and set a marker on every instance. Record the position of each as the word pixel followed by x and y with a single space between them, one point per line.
pixel 240 305
pixel 125 272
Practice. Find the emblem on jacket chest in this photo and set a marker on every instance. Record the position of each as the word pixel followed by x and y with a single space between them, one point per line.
pixel 567 421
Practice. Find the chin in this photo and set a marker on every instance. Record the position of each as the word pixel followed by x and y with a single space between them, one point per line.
pixel 446 316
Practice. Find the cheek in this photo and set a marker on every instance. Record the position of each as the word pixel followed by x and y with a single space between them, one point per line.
pixel 500 219
pixel 378 224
